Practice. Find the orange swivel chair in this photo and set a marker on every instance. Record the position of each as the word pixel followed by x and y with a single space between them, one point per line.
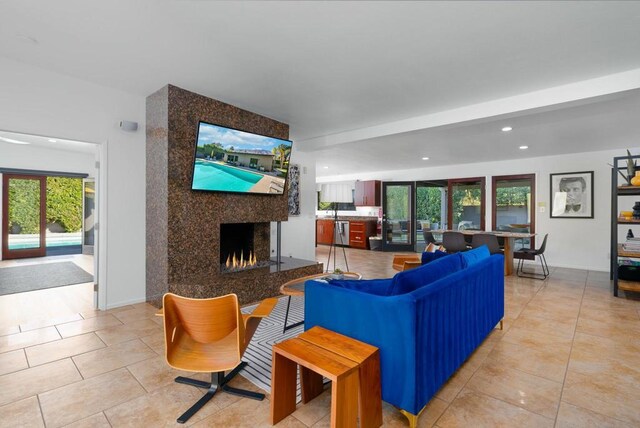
pixel 209 335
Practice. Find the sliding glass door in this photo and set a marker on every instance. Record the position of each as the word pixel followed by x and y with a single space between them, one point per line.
pixel 431 211
pixel 397 218
pixel 23 216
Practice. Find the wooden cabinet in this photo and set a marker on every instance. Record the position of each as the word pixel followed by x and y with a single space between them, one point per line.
pixel 359 233
pixel 367 194
pixel 324 231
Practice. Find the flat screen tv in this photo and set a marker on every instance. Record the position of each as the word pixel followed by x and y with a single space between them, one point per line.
pixel 230 160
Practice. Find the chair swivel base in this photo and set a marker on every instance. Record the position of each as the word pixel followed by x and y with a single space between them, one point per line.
pixel 218 383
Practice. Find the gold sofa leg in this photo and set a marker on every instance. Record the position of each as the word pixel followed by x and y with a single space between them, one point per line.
pixel 501 324
pixel 413 419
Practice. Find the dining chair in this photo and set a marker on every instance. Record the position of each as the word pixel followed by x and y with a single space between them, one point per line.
pixel 530 254
pixel 454 242
pixel 209 336
pixel 487 239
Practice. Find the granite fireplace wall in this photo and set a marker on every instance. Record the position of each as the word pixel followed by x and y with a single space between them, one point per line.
pixel 183 226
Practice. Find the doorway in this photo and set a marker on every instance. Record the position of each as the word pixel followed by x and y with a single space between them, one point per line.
pixel 398 220
pixel 47 156
pixel 431 210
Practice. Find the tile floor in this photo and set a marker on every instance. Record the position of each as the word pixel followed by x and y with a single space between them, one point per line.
pixel 568 357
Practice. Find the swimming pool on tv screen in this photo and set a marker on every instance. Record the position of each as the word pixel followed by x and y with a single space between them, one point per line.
pixel 214 176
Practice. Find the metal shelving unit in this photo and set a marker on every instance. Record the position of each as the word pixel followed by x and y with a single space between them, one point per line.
pixel 620 188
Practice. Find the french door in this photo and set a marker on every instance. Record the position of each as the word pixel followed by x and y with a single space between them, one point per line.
pixel 397 216
pixel 514 206
pixel 23 216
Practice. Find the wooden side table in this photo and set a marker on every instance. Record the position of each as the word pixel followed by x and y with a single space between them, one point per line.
pixel 351 365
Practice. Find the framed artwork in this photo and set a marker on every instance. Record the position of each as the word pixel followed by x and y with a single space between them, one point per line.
pixel 572 195
pixel 294 189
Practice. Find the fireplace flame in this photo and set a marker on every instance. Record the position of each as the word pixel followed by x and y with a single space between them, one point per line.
pixel 233 262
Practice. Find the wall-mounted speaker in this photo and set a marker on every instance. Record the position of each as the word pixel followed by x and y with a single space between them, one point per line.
pixel 125 125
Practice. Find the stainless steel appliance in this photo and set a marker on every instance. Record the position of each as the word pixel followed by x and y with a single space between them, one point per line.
pixel 341 233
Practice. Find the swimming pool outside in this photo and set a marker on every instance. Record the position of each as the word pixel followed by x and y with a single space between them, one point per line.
pixel 19 242
pixel 216 176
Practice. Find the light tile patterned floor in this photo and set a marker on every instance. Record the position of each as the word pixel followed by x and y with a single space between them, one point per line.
pixel 568 357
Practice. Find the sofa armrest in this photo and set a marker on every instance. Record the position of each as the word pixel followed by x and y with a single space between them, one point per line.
pixel 385 322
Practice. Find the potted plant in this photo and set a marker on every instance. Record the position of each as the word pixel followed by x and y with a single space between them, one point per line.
pixel 337 274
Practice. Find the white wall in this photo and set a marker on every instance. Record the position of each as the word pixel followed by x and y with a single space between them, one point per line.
pixel 298 233
pixel 574 243
pixel 39 158
pixel 36 101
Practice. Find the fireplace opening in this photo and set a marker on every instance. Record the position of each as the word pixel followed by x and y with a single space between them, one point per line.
pixel 237 250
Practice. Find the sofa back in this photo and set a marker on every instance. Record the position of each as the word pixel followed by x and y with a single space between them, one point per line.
pixel 423 335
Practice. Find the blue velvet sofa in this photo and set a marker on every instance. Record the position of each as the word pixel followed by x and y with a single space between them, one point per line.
pixel 425 321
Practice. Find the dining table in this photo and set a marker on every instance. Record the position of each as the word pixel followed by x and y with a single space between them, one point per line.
pixel 509 242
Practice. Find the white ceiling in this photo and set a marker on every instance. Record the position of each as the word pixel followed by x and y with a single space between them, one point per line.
pixel 330 67
pixel 18 139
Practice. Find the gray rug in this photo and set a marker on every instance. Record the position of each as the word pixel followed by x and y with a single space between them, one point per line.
pixel 258 353
pixel 37 277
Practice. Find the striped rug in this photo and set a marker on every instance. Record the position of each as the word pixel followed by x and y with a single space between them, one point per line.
pixel 258 354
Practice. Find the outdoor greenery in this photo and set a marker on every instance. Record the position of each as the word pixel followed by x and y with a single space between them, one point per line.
pixel 215 150
pixel 512 196
pixel 464 196
pixel 24 206
pixel 429 204
pixel 64 204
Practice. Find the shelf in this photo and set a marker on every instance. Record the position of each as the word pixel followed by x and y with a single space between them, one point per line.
pixel 623 253
pixel 628 190
pixel 625 221
pixel 629 285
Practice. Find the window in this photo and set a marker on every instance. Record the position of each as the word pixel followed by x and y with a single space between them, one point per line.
pixel 324 206
pixel 466 203
pixel 513 200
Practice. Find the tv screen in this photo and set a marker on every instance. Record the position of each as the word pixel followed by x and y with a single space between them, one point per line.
pixel 229 160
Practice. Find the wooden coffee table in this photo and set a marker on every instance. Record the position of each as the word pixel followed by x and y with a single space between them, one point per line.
pixel 295 287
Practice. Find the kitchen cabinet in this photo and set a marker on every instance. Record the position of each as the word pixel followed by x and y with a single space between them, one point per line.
pixel 359 233
pixel 324 232
pixel 367 194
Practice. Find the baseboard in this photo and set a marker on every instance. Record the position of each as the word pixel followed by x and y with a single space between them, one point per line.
pixel 125 303
pixel 591 268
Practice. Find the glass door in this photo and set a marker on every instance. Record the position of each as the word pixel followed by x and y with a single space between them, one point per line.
pixel 466 203
pixel 23 216
pixel 397 221
pixel 88 218
pixel 514 206
pixel 431 212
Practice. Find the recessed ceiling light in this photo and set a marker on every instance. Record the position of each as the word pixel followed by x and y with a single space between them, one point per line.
pixel 325 167
pixel 51 140
pixel 507 129
pixel 425 158
pixel 9 140
pixel 524 147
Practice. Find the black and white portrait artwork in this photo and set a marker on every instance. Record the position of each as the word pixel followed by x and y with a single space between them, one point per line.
pixel 572 195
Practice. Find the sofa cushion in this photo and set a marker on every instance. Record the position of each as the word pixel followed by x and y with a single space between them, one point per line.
pixel 379 287
pixel 428 257
pixel 472 257
pixel 410 280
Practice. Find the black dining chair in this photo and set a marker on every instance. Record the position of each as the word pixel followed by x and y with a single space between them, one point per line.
pixel 530 254
pixel 454 242
pixel 487 239
pixel 428 237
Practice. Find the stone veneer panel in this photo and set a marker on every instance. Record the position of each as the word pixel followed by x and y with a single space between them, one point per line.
pixel 183 226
